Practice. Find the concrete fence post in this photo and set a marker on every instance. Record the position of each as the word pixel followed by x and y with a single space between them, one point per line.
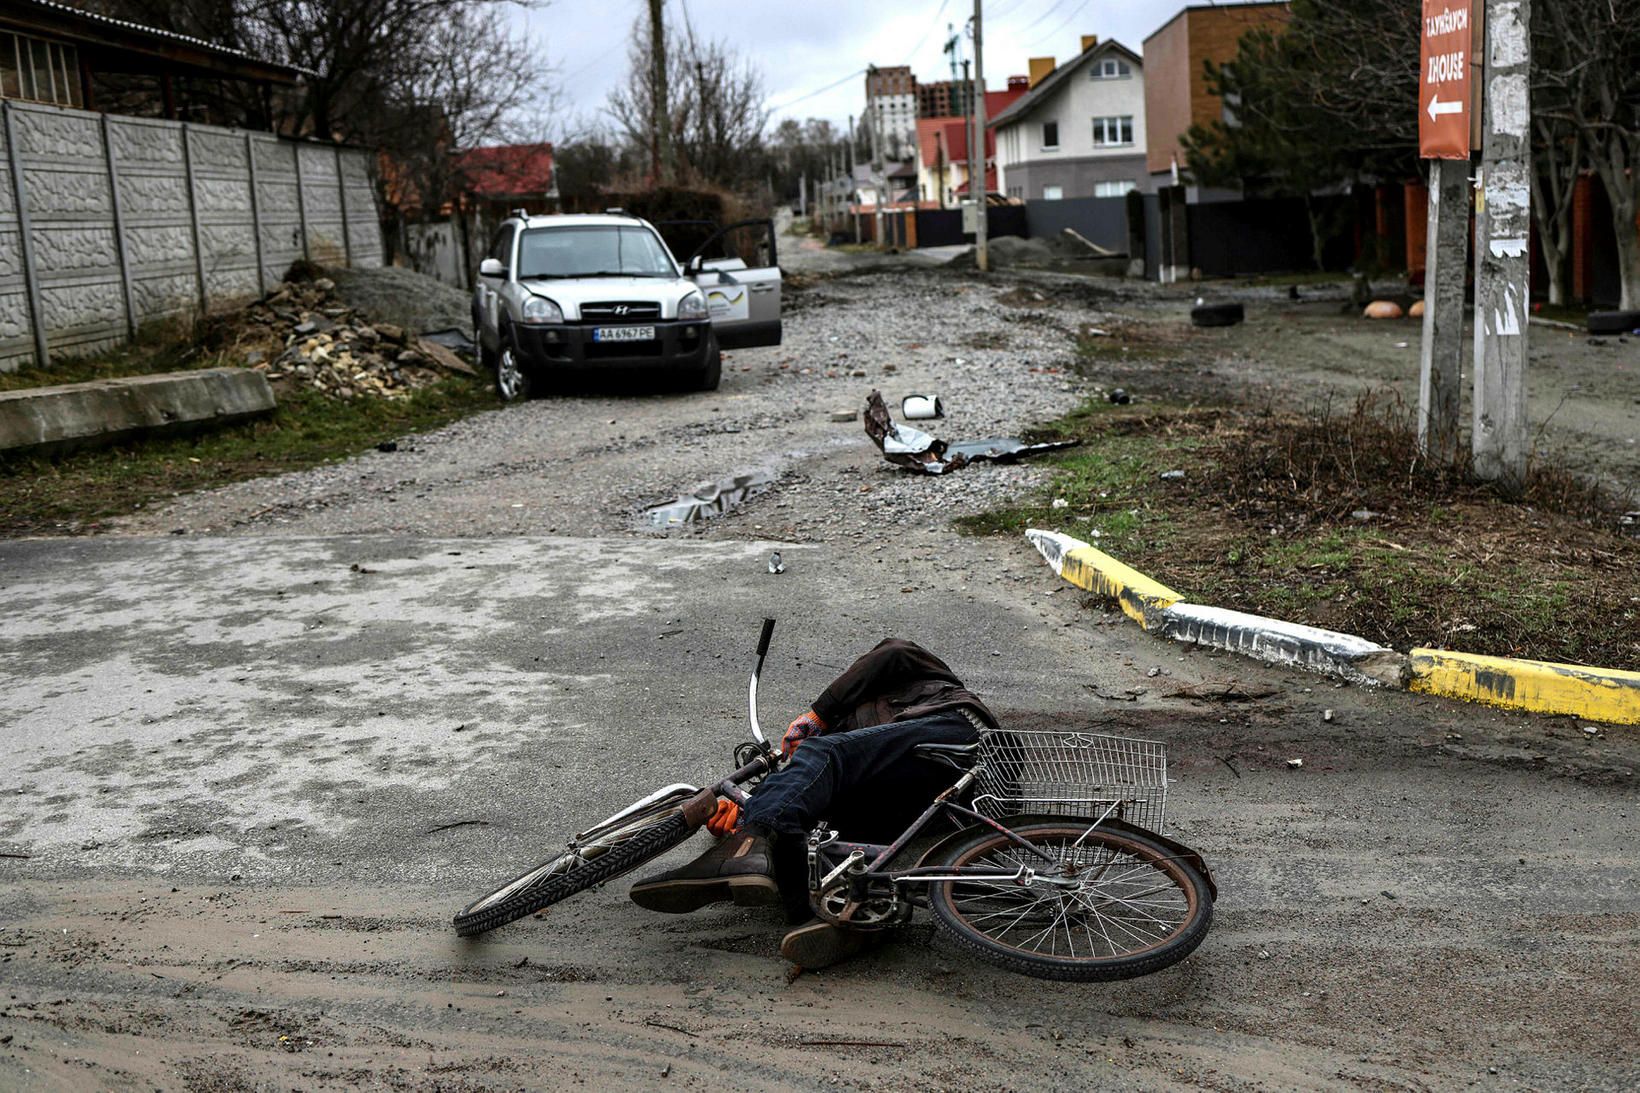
pixel 341 193
pixel 301 196
pixel 256 215
pixel 25 236
pixel 119 229
pixel 193 216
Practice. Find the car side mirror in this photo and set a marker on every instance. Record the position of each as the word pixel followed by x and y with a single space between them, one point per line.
pixel 492 267
pixel 695 264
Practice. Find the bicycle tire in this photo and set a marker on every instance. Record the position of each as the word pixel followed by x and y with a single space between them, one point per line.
pixel 525 896
pixel 957 904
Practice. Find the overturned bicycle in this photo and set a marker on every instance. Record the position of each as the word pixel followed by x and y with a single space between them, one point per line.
pixel 1056 867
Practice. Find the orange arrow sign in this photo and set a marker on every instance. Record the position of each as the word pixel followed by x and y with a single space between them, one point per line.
pixel 1443 125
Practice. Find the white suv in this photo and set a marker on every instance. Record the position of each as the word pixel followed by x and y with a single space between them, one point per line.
pixel 558 295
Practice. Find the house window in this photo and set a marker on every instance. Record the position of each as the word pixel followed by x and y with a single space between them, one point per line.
pixel 1053 193
pixel 1116 187
pixel 1111 68
pixel 1113 130
pixel 1050 135
pixel 38 70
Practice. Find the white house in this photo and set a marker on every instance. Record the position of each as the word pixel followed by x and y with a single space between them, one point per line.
pixel 1079 131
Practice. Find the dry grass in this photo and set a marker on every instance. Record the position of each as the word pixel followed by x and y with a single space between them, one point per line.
pixel 1329 517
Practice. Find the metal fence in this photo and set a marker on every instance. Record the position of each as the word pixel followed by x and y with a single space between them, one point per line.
pixel 110 222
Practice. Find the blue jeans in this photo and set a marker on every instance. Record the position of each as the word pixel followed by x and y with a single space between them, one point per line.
pixel 829 777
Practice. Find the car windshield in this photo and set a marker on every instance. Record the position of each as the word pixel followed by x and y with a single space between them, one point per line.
pixel 602 250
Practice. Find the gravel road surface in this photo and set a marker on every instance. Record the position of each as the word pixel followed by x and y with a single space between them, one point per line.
pixel 253 769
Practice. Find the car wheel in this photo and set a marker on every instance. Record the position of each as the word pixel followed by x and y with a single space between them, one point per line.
pixel 712 374
pixel 512 378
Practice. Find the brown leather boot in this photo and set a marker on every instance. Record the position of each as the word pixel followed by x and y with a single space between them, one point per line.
pixel 817 944
pixel 738 869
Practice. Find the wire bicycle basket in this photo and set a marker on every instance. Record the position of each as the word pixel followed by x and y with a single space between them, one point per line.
pixel 1072 774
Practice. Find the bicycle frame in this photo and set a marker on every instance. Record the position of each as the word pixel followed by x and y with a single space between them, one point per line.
pixel 831 859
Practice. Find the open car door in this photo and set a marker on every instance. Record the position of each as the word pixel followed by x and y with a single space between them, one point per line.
pixel 738 270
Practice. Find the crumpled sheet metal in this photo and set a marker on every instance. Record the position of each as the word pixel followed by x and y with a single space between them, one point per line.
pixel 908 447
pixel 708 500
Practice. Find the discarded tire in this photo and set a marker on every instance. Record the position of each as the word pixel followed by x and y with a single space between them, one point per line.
pixel 1613 322
pixel 1217 314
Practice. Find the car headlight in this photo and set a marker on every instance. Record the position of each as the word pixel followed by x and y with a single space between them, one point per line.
pixel 539 309
pixel 692 306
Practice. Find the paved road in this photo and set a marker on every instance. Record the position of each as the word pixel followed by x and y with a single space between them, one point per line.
pixel 254 768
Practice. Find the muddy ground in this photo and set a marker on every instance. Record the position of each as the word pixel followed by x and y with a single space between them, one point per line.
pixel 253 769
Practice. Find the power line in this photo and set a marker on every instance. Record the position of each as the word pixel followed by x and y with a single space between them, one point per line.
pixel 933 25
pixel 1063 23
pixel 1056 6
pixel 818 90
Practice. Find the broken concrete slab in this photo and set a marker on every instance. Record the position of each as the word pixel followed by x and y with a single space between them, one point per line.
pixel 907 447
pixel 57 418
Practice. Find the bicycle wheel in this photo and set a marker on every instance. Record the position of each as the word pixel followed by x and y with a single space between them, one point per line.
pixel 576 870
pixel 1115 907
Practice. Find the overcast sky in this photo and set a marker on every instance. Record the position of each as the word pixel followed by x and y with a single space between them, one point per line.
pixel 802 47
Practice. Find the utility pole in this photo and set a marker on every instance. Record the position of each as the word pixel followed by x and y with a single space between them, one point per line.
pixel 1498 435
pixel 976 150
pixel 660 124
pixel 1440 364
pixel 854 208
pixel 876 158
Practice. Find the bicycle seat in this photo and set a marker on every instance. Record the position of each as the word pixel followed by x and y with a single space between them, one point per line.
pixel 958 756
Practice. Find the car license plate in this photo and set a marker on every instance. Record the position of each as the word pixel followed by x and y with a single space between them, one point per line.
pixel 623 334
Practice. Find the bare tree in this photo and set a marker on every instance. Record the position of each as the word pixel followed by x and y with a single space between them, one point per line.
pixel 715 107
pixel 1596 90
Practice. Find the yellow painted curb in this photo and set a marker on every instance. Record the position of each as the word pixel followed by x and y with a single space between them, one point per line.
pixel 1141 598
pixel 1599 694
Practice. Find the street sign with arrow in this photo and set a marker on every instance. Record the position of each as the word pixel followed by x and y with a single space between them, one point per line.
pixel 1444 80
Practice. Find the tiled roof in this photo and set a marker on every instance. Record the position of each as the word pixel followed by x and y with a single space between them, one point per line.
pixel 506 170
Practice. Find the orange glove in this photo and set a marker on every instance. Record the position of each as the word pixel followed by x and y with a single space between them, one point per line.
pixel 805 726
pixel 725 819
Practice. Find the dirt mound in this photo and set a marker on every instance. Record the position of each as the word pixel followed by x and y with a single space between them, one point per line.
pixel 1010 250
pixel 403 297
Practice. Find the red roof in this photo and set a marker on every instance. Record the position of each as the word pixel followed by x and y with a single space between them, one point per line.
pixel 506 170
pixel 952 133
pixel 998 101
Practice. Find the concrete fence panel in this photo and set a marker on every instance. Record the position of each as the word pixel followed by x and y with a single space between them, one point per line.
pixel 107 223
pixel 1101 220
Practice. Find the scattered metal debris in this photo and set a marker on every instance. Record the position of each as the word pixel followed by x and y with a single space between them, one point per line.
pixel 1120 397
pixel 1295 764
pixel 709 499
pixel 776 563
pixel 907 447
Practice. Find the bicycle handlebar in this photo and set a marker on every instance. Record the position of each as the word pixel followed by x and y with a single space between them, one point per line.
pixel 751 701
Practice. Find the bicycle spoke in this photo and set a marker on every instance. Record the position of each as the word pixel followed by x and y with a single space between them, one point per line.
pixel 1124 903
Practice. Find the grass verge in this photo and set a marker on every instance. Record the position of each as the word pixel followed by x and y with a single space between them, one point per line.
pixel 1328 517
pixel 74 493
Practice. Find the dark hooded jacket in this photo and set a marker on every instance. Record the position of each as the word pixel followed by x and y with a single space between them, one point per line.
pixel 897 681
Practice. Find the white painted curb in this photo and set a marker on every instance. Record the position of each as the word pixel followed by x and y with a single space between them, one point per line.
pixel 1286 643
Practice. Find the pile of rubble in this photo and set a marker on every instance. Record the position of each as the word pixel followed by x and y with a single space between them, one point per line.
pixel 311 338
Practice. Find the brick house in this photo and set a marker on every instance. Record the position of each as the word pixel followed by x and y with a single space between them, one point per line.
pixel 1176 95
